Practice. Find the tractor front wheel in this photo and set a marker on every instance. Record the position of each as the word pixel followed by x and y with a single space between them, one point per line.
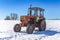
pixel 17 28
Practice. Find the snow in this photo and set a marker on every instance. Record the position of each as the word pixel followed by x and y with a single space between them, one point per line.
pixel 52 31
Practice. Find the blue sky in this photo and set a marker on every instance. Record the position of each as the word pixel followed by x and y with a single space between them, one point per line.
pixel 52 7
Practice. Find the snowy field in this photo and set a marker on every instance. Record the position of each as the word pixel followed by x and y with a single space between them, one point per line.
pixel 52 31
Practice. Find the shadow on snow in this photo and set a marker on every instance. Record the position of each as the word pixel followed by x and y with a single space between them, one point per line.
pixel 46 32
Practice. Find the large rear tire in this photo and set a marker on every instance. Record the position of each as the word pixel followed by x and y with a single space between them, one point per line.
pixel 42 25
pixel 30 28
pixel 17 28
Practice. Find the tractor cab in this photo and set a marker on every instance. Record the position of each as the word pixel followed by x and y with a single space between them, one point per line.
pixel 35 11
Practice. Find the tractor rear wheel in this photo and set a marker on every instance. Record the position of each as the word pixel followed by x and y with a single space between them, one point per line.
pixel 17 28
pixel 42 25
pixel 30 28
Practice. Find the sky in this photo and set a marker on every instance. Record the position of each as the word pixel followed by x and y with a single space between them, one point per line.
pixel 52 7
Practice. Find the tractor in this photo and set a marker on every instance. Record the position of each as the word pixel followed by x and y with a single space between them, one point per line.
pixel 34 18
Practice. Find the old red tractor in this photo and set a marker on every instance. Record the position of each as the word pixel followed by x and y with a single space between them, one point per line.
pixel 34 18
